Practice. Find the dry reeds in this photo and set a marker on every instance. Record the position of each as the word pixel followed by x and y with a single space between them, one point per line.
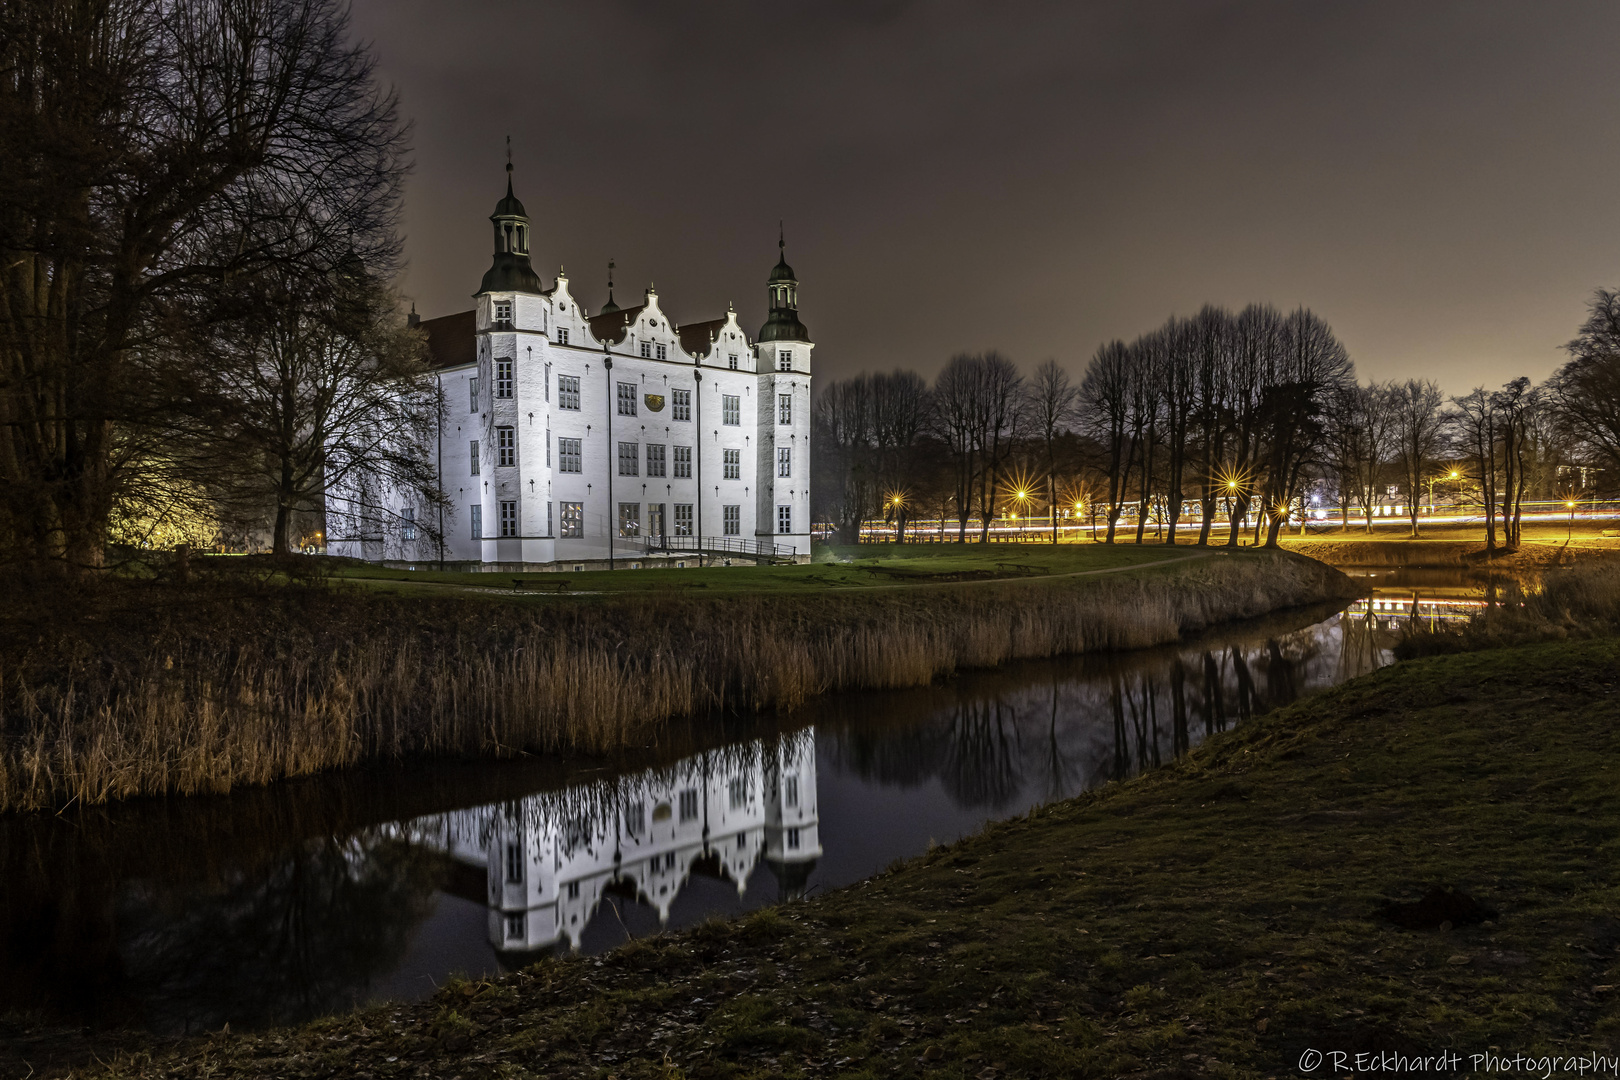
pixel 1576 601
pixel 202 694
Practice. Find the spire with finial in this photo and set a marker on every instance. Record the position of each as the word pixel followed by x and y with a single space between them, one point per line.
pixel 610 305
pixel 782 323
pixel 511 270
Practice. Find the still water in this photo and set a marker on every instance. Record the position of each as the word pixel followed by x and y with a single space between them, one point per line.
pixel 270 907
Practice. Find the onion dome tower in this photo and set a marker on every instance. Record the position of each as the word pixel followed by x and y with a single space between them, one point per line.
pixel 511 271
pixel 782 324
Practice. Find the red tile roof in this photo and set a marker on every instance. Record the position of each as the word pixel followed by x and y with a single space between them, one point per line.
pixel 613 326
pixel 698 338
pixel 452 339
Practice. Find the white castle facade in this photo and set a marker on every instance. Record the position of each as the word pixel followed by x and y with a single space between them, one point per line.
pixel 570 440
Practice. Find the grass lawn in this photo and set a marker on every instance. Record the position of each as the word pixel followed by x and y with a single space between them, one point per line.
pixel 1215 918
pixel 866 566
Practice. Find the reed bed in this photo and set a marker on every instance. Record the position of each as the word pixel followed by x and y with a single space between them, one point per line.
pixel 147 693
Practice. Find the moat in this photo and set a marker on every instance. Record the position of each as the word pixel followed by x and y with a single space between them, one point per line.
pixel 274 906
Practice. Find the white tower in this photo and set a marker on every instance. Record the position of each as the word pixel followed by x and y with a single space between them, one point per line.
pixel 514 467
pixel 783 362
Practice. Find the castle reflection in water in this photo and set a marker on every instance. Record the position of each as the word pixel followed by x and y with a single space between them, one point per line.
pixel 550 859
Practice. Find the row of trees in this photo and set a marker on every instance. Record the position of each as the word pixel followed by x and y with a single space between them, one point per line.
pixel 198 217
pixel 1247 415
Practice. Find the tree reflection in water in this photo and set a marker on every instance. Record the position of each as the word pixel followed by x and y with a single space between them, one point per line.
pixel 1040 732
pixel 302 940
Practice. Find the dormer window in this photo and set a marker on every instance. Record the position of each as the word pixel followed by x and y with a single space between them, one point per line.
pixel 503 311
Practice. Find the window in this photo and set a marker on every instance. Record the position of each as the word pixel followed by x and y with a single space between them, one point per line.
pixel 628 452
pixel 669 860
pixel 509 519
pixel 548 519
pixel 514 864
pixel 407 528
pixel 514 927
pixel 503 377
pixel 562 335
pixel 627 399
pixel 472 456
pixel 629 519
pixel 730 409
pixel 477 521
pixel 635 817
pixel 732 517
pixel 793 839
pixel 503 311
pixel 683 519
pixel 733 464
pixel 784 461
pixel 573 520
pixel 784 519
pixel 663 352
pixel 689 804
pixel 568 392
pixel 790 790
pixel 568 456
pixel 739 793
pixel 683 462
pixel 655 459
pixel 646 350
pixel 682 407
pixel 548 448
pixel 506 447
pixel 731 361
pixel 472 393
pixel 784 360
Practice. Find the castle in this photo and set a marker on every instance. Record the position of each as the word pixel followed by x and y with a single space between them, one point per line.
pixel 576 441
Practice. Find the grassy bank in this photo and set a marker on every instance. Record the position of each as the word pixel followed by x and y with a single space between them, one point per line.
pixel 159 689
pixel 1216 917
pixel 1543 546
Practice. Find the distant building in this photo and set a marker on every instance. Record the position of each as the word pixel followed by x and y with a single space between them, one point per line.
pixel 568 439
pixel 549 860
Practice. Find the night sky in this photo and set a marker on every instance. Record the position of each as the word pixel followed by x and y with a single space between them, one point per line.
pixel 1436 180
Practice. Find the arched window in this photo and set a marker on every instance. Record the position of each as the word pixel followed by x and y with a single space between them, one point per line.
pixel 523 241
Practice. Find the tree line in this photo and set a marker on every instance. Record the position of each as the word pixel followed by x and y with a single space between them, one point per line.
pixel 1251 416
pixel 199 202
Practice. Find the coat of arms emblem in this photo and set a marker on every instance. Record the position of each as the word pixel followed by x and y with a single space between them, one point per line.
pixel 655 402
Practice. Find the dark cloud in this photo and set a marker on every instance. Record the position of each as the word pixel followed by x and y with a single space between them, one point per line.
pixel 1433 179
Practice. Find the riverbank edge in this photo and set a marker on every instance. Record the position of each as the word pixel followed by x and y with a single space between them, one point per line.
pixel 204 694
pixel 1218 916
pixel 1350 550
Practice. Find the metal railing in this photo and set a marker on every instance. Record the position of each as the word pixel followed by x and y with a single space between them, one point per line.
pixel 711 545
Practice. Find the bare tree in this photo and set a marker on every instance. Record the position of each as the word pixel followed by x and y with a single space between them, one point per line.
pixel 956 395
pixel 153 153
pixel 1105 402
pixel 1515 404
pixel 1584 394
pixel 1477 429
pixel 900 414
pixel 843 444
pixel 999 420
pixel 313 398
pixel 1420 435
pixel 1053 397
